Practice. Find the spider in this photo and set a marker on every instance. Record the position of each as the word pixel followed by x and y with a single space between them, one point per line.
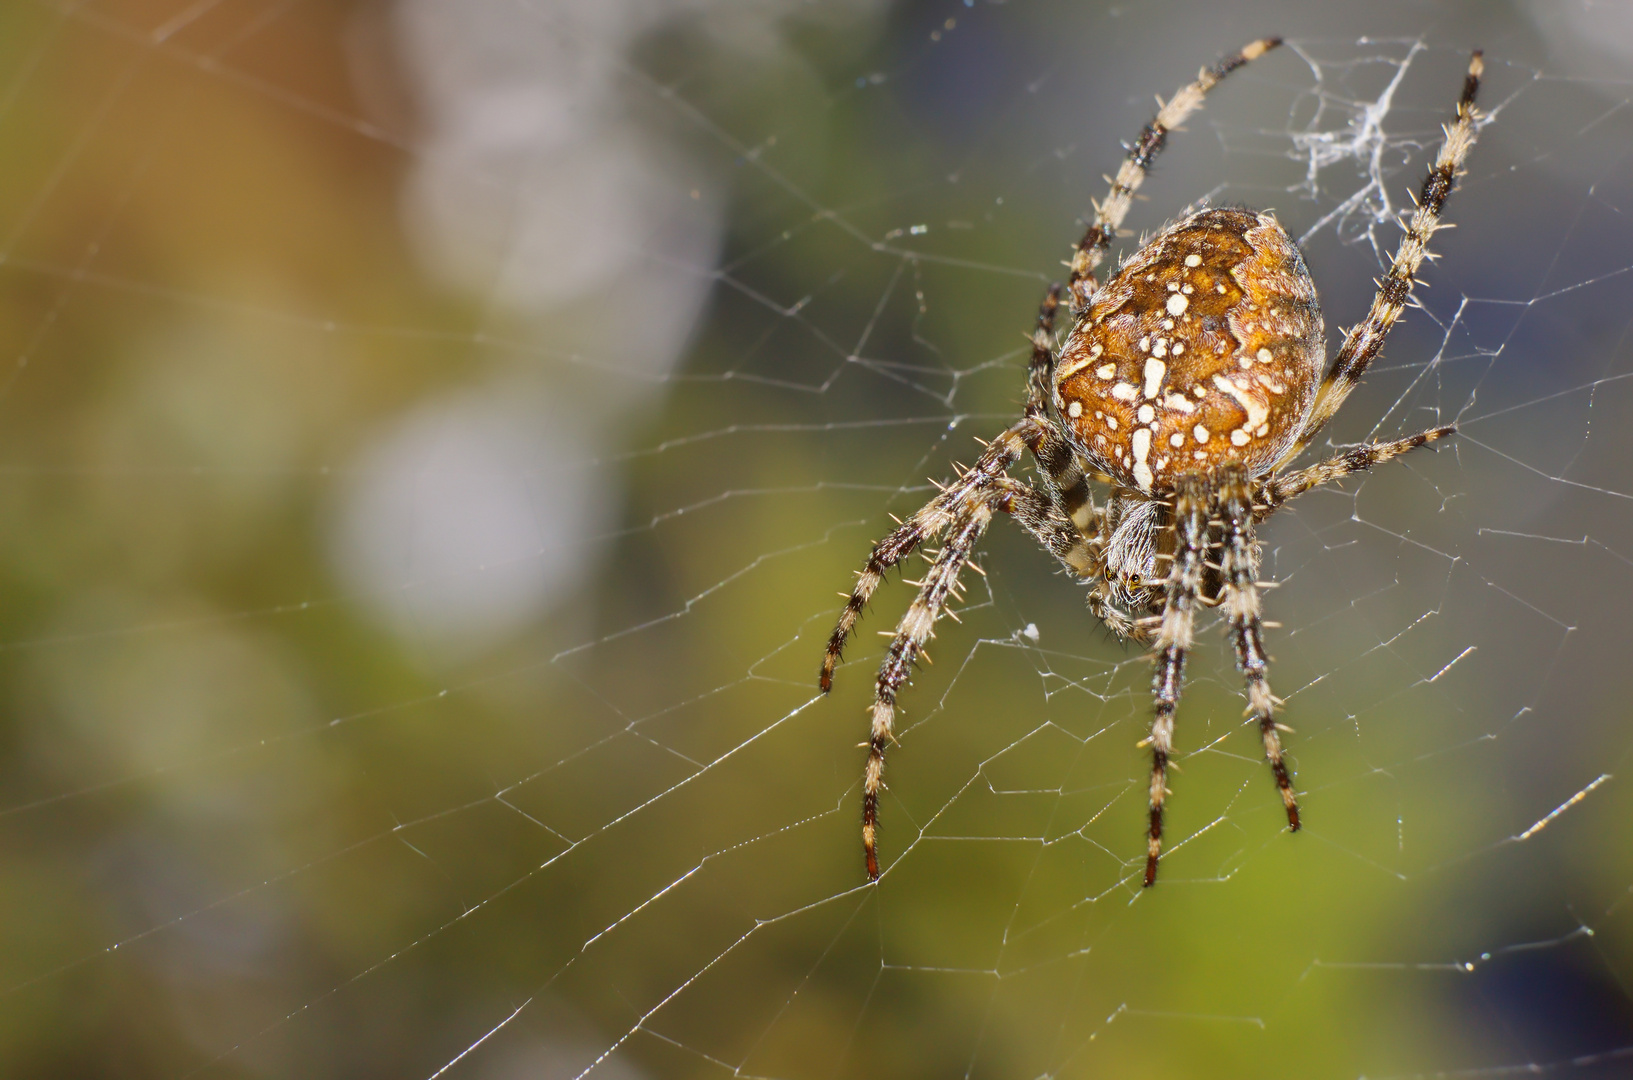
pixel 1188 384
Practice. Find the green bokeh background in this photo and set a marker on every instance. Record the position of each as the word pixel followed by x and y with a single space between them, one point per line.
pixel 248 830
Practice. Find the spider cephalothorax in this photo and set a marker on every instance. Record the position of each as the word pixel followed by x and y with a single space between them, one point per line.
pixel 1188 383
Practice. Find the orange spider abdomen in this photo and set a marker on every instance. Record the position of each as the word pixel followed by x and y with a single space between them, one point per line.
pixel 1205 349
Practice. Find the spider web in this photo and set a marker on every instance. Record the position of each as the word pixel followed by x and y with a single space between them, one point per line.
pixel 436 433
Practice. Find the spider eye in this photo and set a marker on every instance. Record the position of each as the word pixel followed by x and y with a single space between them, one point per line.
pixel 1134 581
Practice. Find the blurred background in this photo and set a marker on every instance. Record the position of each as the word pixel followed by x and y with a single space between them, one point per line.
pixel 432 436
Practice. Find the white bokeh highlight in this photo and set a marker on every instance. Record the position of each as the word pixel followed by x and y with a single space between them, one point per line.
pixel 466 518
pixel 534 193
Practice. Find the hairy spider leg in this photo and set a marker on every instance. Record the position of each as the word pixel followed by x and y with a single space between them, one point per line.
pixel 1041 369
pixel 1361 346
pixel 1109 214
pixel 1366 339
pixel 1182 593
pixel 927 523
pixel 1042 520
pixel 963 510
pixel 1062 473
pixel 1239 573
pixel 1063 477
pixel 1276 491
pixel 905 648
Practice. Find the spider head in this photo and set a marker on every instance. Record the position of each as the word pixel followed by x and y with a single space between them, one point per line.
pixel 1131 553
